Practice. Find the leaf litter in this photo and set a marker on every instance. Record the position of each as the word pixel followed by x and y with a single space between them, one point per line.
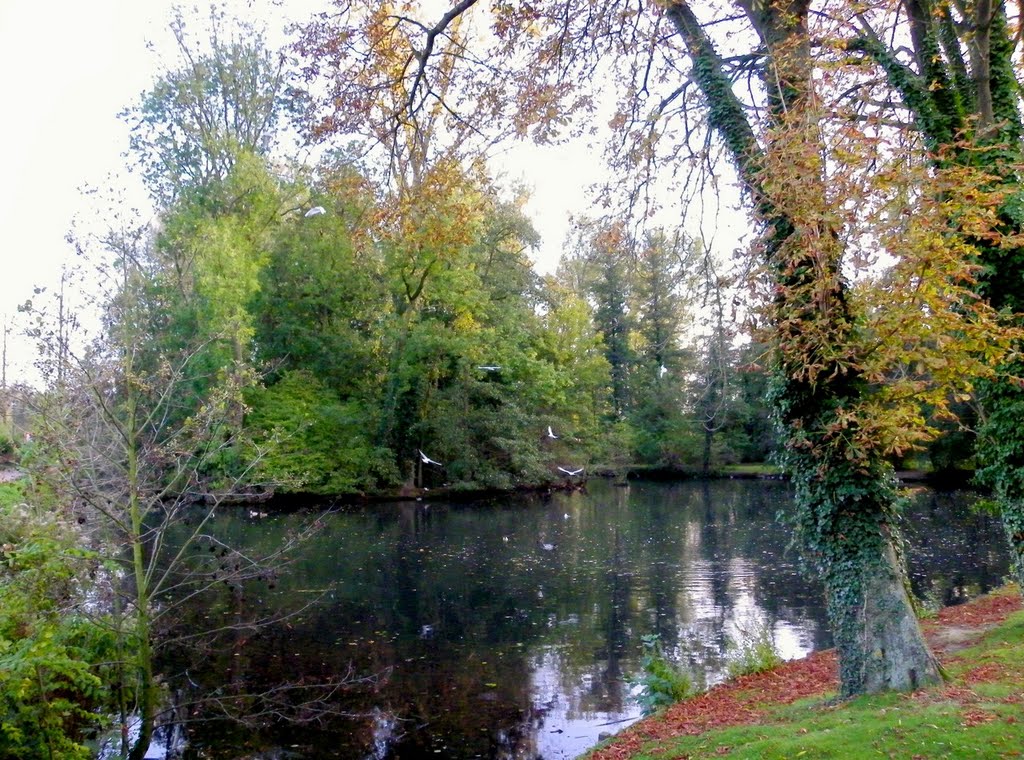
pixel 748 699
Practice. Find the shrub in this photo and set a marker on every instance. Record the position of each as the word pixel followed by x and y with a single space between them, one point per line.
pixel 51 684
pixel 662 682
pixel 754 653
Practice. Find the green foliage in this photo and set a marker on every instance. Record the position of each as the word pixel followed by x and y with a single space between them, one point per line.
pixel 313 441
pixel 11 494
pixel 227 99
pixel 662 683
pixel 52 680
pixel 754 653
pixel 1001 459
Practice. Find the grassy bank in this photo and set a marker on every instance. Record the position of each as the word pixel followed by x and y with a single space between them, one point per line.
pixel 791 712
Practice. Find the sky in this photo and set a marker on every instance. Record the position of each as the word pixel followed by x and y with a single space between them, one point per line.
pixel 70 67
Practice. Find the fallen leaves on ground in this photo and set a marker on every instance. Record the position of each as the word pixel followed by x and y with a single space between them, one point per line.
pixel 745 700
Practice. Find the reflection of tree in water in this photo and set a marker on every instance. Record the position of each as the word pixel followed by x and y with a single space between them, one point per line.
pixel 717 551
pixel 495 621
pixel 662 569
pixel 616 633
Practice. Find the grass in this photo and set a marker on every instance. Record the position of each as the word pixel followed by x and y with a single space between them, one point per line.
pixel 978 714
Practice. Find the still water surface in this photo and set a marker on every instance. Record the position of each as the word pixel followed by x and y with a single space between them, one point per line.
pixel 510 628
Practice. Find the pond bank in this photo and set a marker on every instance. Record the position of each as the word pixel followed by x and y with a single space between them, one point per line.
pixel 785 713
pixel 620 476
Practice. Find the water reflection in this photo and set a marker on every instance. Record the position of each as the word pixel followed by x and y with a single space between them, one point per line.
pixel 509 629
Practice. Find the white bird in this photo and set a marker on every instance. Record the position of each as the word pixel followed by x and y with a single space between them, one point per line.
pixel 489 367
pixel 551 433
pixel 315 211
pixel 427 460
pixel 571 473
pixel 662 370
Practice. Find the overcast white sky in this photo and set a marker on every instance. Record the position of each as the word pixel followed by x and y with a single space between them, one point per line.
pixel 68 68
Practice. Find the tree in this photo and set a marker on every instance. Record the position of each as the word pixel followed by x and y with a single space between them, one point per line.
pixel 124 443
pixel 579 387
pixel 959 84
pixel 54 664
pixel 217 104
pixel 607 257
pixel 830 345
pixel 661 309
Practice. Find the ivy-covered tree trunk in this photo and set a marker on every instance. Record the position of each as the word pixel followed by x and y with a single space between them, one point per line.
pixel 845 489
pixel 845 493
pixel 846 525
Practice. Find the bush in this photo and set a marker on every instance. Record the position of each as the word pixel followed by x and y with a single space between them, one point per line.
pixel 11 494
pixel 312 441
pixel 662 683
pixel 51 683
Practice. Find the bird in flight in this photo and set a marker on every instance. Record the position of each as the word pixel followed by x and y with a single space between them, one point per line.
pixel 551 433
pixel 489 367
pixel 571 473
pixel 315 211
pixel 427 460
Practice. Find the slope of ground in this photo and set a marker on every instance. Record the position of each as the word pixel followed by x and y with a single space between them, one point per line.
pixel 791 712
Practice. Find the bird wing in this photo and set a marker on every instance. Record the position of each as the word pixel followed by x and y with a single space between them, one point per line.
pixel 427 460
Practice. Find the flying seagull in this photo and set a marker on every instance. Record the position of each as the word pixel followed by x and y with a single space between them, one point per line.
pixel 551 433
pixel 315 211
pixel 571 473
pixel 489 367
pixel 427 460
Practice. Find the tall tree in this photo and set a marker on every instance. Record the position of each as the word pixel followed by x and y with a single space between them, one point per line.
pixel 826 391
pixel 132 452
pixel 224 98
pixel 717 360
pixel 609 257
pixel 660 308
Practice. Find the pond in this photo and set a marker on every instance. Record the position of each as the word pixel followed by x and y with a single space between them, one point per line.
pixel 512 627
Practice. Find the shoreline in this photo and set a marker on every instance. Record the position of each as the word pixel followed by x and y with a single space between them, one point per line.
pixel 750 700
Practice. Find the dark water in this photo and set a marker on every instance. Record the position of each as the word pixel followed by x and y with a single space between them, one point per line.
pixel 510 628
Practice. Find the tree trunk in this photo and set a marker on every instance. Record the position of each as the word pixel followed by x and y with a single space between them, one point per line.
pixel 881 644
pixel 845 519
pixel 143 657
pixel 708 440
pixel 147 700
